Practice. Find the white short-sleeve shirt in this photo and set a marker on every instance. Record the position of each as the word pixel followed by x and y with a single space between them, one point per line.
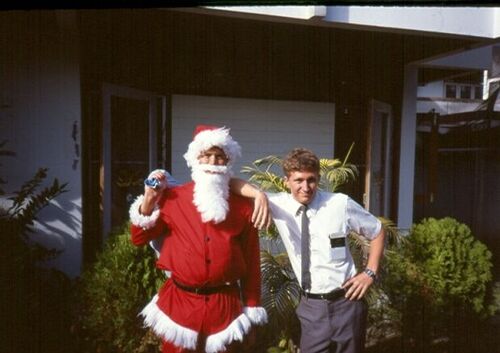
pixel 331 217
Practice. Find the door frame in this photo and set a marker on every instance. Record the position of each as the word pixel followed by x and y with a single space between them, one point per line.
pixel 374 107
pixel 112 90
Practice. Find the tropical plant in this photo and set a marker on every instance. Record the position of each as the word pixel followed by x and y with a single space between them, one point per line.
pixel 32 296
pixel 112 292
pixel 334 173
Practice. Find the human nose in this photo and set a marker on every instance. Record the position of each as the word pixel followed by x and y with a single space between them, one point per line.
pixel 212 159
pixel 305 186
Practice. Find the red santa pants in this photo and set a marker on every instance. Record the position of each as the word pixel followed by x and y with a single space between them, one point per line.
pixel 205 314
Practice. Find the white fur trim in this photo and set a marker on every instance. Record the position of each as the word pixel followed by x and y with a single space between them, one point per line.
pixel 212 138
pixel 257 315
pixel 167 329
pixel 141 220
pixel 234 332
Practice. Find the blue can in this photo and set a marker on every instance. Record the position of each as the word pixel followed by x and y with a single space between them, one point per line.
pixel 154 182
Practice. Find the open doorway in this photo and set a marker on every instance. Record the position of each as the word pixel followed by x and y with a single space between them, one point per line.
pixel 133 139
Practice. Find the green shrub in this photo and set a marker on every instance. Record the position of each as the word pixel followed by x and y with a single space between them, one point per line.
pixel 112 293
pixel 439 280
pixel 443 263
pixel 33 299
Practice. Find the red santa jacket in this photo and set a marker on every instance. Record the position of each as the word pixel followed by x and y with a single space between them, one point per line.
pixel 202 254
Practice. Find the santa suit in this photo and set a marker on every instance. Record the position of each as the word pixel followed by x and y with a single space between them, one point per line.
pixel 202 255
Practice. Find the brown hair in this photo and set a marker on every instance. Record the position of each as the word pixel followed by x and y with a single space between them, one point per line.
pixel 299 160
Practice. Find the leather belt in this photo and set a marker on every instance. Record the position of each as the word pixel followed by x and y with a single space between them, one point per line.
pixel 203 290
pixel 333 295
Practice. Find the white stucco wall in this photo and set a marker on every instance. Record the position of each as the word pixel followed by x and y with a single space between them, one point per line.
pixel 40 117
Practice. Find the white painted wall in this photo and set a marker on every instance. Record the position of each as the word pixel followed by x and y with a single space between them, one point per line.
pixel 261 127
pixel 467 21
pixel 39 108
pixel 407 149
pixel 431 90
pixel 445 107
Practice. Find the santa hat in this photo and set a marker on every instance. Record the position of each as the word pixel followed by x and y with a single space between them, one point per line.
pixel 206 137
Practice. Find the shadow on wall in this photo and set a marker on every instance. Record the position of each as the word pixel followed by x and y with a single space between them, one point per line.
pixel 59 227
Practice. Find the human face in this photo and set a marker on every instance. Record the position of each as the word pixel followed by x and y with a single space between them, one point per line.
pixel 213 156
pixel 303 185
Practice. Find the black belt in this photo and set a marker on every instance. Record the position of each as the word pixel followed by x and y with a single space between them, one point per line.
pixel 333 295
pixel 203 290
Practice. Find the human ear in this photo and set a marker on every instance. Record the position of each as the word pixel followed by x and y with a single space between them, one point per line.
pixel 287 181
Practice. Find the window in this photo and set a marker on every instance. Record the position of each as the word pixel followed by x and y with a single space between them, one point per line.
pixel 465 92
pixel 478 92
pixel 451 91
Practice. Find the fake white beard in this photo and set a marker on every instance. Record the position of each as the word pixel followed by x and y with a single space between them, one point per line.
pixel 211 191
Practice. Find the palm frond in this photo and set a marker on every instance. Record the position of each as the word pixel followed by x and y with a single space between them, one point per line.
pixel 348 154
pixel 265 179
pixel 270 161
pixel 270 234
pixel 360 246
pixel 335 174
pixel 281 291
pixel 393 235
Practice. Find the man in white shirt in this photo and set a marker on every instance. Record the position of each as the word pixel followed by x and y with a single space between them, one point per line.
pixel 331 308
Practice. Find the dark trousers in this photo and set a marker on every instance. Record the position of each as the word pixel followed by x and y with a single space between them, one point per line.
pixel 324 322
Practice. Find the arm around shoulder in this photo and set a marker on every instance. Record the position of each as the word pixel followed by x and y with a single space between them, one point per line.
pixel 261 216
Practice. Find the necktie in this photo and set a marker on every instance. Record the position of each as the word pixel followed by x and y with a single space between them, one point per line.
pixel 305 251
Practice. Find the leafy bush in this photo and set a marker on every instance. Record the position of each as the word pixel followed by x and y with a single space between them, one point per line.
pixel 439 280
pixel 111 294
pixel 33 299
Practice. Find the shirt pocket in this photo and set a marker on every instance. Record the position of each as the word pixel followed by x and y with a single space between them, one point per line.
pixel 337 242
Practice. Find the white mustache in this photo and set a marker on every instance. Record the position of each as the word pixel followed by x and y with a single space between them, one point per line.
pixel 217 169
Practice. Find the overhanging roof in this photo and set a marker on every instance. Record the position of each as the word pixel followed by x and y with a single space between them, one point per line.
pixel 472 21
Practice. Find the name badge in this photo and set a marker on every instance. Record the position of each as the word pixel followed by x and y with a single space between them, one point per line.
pixel 337 247
pixel 337 240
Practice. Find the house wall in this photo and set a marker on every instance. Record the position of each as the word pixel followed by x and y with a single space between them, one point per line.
pixel 261 127
pixel 47 57
pixel 431 89
pixel 40 117
pixel 432 96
